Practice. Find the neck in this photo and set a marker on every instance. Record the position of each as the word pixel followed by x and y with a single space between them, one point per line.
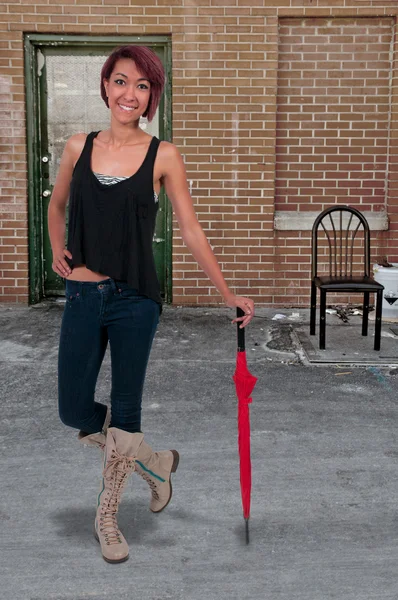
pixel 124 135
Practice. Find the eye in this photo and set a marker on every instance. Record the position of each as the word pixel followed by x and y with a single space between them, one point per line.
pixel 143 86
pixel 119 81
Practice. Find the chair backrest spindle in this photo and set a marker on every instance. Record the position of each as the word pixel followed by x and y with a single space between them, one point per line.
pixel 335 245
pixel 341 243
pixel 346 246
pixel 330 247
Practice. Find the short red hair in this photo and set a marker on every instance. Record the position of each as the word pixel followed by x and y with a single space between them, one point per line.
pixel 147 63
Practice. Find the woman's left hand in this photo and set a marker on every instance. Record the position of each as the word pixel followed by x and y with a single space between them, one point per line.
pixel 246 304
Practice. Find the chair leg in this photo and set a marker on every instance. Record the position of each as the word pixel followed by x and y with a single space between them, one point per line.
pixel 313 309
pixel 322 320
pixel 379 304
pixel 365 318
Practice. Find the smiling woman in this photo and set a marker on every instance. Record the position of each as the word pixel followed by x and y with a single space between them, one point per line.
pixel 112 292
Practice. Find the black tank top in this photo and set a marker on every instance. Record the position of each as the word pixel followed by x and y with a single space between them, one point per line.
pixel 111 227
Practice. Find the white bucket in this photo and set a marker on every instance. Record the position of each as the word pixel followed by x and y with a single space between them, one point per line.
pixel 388 276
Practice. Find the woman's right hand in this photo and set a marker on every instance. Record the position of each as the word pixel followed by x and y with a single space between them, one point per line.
pixel 60 265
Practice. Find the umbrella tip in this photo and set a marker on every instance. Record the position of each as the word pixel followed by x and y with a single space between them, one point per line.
pixel 247 530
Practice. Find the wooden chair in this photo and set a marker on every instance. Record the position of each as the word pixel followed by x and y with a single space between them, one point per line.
pixel 341 234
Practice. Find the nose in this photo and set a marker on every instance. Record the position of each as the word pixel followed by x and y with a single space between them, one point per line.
pixel 129 93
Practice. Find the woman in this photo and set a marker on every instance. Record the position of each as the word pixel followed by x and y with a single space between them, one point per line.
pixel 112 179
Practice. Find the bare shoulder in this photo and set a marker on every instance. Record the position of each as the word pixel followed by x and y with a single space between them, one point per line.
pixel 75 144
pixel 170 159
pixel 168 151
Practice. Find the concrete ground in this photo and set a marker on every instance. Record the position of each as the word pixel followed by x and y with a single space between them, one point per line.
pixel 324 518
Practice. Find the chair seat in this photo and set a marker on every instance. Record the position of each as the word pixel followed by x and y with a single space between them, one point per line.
pixel 348 284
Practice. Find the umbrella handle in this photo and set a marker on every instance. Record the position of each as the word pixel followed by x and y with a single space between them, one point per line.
pixel 241 332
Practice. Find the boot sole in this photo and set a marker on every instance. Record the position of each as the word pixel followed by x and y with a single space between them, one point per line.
pixel 175 461
pixel 173 470
pixel 109 560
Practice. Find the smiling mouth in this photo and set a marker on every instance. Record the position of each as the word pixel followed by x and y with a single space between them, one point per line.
pixel 127 108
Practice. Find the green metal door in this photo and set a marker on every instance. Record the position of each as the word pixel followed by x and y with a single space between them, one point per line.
pixel 68 101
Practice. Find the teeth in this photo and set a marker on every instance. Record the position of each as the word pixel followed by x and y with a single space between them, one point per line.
pixel 126 107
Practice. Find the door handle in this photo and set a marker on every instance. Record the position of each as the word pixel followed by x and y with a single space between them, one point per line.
pixel 46 193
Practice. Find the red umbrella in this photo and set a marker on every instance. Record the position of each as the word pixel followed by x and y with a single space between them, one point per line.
pixel 244 383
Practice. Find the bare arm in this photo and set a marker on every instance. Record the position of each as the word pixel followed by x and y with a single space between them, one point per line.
pixel 175 182
pixel 58 202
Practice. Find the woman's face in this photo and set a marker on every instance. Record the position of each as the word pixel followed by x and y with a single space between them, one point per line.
pixel 128 91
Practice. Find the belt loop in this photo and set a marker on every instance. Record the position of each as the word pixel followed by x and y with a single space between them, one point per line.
pixel 113 285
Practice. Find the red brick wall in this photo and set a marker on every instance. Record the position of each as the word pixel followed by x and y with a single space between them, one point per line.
pixel 225 121
pixel 333 128
pixel 333 113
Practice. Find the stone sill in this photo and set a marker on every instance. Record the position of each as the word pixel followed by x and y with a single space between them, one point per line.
pixel 289 220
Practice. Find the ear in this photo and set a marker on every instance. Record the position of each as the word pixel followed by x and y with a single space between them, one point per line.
pixel 106 84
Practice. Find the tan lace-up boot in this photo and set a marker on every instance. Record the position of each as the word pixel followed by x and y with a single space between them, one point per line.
pixel 96 439
pixel 121 451
pixel 156 469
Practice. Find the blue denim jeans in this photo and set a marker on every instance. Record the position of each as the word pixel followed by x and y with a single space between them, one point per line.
pixel 95 313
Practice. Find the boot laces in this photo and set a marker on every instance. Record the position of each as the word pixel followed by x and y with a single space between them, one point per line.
pixel 108 523
pixel 117 469
pixel 119 463
pixel 152 485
